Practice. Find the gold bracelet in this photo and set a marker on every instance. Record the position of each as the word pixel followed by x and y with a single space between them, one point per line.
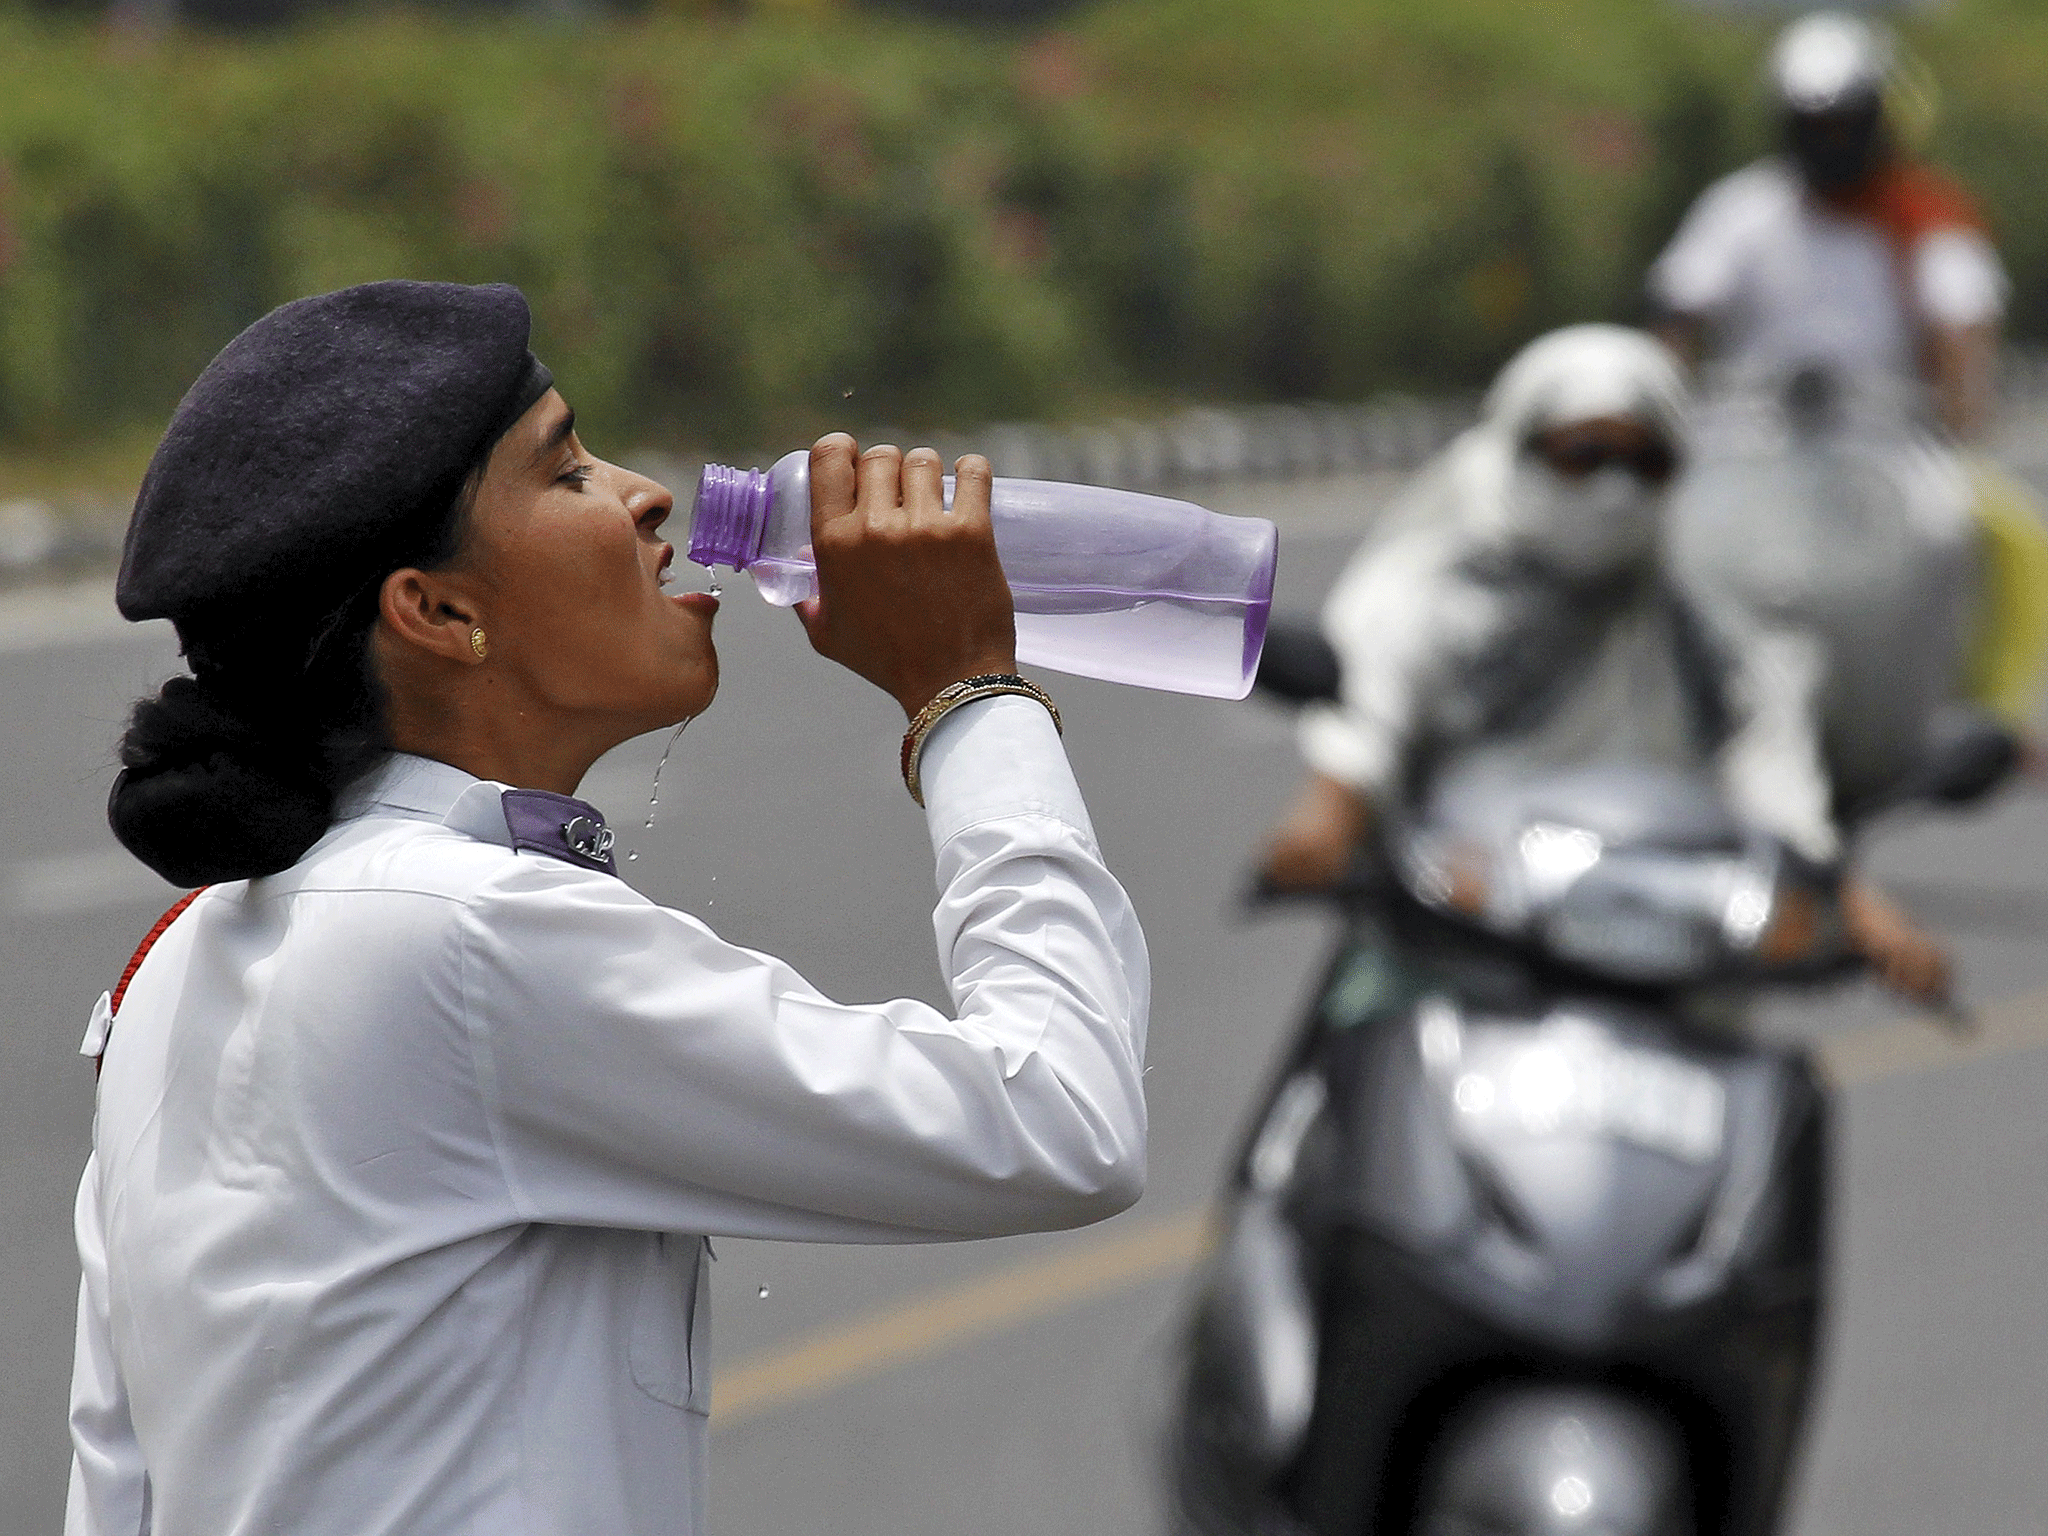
pixel 950 698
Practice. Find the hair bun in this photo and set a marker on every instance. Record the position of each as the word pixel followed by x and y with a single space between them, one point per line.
pixel 204 796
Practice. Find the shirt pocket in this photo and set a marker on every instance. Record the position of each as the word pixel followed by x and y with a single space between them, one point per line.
pixel 670 1352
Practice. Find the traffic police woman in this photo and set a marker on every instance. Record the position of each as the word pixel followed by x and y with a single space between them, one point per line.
pixel 411 1125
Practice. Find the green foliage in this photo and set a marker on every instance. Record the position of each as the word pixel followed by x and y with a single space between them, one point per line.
pixel 743 227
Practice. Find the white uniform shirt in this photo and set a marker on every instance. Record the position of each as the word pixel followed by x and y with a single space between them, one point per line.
pixel 403 1157
pixel 1785 281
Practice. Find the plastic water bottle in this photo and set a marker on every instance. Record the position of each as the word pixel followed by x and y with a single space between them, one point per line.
pixel 1111 584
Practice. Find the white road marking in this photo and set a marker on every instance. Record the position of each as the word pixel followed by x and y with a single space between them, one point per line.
pixel 77 613
pixel 72 884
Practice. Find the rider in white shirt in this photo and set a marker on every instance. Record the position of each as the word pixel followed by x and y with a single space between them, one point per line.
pixel 1842 252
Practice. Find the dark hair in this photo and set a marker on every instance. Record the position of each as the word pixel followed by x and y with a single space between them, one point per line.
pixel 235 771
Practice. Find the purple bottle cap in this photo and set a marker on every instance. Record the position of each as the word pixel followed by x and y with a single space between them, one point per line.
pixel 731 516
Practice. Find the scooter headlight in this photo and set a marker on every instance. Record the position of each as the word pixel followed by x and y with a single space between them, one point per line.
pixel 1637 918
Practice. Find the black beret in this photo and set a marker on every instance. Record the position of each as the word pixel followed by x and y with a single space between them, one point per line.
pixel 322 445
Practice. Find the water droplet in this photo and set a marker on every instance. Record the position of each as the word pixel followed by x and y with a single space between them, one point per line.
pixel 762 1294
pixel 715 589
pixel 633 857
pixel 846 393
pixel 654 796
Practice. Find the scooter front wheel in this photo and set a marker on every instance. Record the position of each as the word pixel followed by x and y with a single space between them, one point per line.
pixel 1537 1459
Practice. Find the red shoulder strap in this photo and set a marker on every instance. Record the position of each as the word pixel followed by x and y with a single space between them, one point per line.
pixel 1910 201
pixel 149 942
pixel 142 953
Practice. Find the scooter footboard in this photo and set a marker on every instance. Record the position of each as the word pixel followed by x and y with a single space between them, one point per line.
pixel 1543 1459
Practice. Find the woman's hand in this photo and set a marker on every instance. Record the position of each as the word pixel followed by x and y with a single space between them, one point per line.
pixel 910 595
pixel 1313 845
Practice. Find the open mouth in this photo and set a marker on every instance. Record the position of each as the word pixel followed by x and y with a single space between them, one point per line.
pixel 669 576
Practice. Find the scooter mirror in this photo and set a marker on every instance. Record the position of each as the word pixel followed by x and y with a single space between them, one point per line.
pixel 1969 752
pixel 1298 664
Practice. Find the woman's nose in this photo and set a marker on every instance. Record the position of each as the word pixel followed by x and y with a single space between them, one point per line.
pixel 650 502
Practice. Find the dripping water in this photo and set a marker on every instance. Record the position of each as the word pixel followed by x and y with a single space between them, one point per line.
pixel 762 1294
pixel 654 794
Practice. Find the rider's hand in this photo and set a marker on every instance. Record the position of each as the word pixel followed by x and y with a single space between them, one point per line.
pixel 910 596
pixel 1906 958
pixel 1313 845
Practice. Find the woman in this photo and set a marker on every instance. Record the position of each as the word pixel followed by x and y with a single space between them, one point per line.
pixel 411 1126
pixel 1510 611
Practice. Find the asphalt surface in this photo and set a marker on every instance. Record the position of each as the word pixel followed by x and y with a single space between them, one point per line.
pixel 1015 1386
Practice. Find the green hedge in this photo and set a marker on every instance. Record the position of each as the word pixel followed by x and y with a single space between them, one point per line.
pixel 738 228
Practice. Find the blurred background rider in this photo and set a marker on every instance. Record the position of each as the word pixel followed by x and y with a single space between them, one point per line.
pixel 1843 252
pixel 1852 266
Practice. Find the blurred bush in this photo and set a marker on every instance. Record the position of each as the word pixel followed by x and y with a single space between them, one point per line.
pixel 738 225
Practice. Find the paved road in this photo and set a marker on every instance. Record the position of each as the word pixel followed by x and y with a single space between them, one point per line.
pixel 1013 1386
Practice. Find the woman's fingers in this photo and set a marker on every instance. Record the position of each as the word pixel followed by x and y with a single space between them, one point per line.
pixel 910 597
pixel 924 487
pixel 972 479
pixel 833 482
pixel 881 488
pixel 890 488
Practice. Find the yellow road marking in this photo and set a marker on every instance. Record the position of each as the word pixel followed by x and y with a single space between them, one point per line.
pixel 939 1320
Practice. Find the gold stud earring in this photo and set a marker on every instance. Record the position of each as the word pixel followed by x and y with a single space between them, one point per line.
pixel 478 644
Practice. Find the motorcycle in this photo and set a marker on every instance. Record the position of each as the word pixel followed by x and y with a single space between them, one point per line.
pixel 1527 1234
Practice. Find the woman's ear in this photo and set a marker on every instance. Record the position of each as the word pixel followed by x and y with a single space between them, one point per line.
pixel 430 611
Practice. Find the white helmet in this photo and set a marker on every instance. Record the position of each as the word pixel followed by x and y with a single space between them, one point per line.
pixel 1831 74
pixel 1831 60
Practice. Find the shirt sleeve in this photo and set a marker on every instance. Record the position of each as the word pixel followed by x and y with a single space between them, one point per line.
pixel 1385 619
pixel 1771 767
pixel 109 1483
pixel 639 1071
pixel 1957 278
pixel 1699 271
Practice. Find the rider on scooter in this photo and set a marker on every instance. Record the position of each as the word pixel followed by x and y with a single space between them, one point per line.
pixel 1843 252
pixel 1512 604
pixel 1846 257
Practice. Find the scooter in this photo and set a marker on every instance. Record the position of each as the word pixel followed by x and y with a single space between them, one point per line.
pixel 1820 515
pixel 1527 1234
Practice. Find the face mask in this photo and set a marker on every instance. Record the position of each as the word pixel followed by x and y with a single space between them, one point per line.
pixel 1582 528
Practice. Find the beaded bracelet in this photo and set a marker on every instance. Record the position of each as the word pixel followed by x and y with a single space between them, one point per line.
pixel 950 698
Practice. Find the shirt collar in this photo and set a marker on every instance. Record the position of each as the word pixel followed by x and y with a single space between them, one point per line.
pixel 417 788
pixel 423 789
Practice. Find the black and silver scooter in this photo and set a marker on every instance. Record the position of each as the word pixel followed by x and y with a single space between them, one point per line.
pixel 1526 1236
